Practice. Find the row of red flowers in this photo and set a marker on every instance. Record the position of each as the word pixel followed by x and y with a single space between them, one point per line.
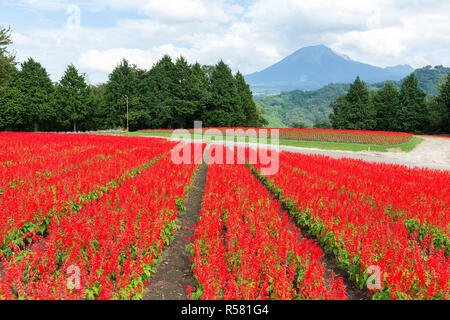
pixel 419 197
pixel 328 135
pixel 27 206
pixel 358 230
pixel 110 244
pixel 32 157
pixel 244 247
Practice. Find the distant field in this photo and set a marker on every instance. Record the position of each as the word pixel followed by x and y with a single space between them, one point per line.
pixel 347 140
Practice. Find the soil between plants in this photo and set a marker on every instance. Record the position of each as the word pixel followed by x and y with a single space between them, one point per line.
pixel 173 271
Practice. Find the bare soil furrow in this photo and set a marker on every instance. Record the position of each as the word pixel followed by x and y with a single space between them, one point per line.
pixel 174 269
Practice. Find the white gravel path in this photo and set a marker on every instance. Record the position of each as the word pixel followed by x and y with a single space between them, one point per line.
pixel 432 152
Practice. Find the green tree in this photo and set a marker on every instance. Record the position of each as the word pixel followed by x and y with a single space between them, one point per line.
pixel 186 95
pixel 248 115
pixel 160 95
pixel 412 114
pixel 386 102
pixel 191 95
pixel 208 70
pixel 224 106
pixel 7 63
pixel 338 117
pixel 97 118
pixel 138 119
pixel 361 113
pixel 436 113
pixel 322 125
pixel 443 101
pixel 12 112
pixel 354 110
pixel 299 125
pixel 198 92
pixel 36 94
pixel 74 99
pixel 123 82
pixel 174 95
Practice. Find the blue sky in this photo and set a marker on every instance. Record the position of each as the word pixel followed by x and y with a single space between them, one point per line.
pixel 248 35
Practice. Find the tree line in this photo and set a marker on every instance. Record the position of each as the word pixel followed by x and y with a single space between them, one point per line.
pixel 390 109
pixel 172 94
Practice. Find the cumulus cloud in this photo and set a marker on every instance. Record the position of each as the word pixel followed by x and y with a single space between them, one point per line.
pixel 106 60
pixel 52 5
pixel 378 32
pixel 248 36
pixel 175 10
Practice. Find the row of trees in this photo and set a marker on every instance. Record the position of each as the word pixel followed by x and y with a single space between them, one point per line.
pixel 173 95
pixel 390 109
pixel 169 95
pixel 30 101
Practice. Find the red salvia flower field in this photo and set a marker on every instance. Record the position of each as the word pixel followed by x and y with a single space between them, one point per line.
pixel 47 184
pixel 328 135
pixel 244 247
pixel 114 238
pixel 88 217
pixel 380 215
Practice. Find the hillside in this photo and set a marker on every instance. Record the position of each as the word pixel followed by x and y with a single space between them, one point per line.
pixel 429 77
pixel 313 67
pixel 307 106
pixel 314 106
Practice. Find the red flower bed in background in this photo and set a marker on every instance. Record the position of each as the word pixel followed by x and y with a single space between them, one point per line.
pixel 328 135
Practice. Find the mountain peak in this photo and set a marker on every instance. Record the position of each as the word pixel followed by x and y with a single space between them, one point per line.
pixel 316 48
pixel 313 52
pixel 316 66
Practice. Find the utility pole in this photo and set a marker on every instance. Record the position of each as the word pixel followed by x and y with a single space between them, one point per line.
pixel 127 113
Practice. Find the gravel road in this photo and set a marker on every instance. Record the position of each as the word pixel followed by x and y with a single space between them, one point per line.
pixel 432 153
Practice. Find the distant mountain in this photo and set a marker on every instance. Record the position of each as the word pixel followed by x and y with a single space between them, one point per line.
pixel 313 67
pixel 429 77
pixel 314 106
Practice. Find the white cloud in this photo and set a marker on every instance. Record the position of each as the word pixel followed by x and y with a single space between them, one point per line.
pixel 174 10
pixel 106 60
pixel 247 36
pixel 51 5
pixel 378 32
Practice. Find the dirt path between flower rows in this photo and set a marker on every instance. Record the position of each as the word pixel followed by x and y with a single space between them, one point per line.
pixel 174 269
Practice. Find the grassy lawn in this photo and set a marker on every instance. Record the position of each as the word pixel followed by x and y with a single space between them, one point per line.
pixel 405 147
